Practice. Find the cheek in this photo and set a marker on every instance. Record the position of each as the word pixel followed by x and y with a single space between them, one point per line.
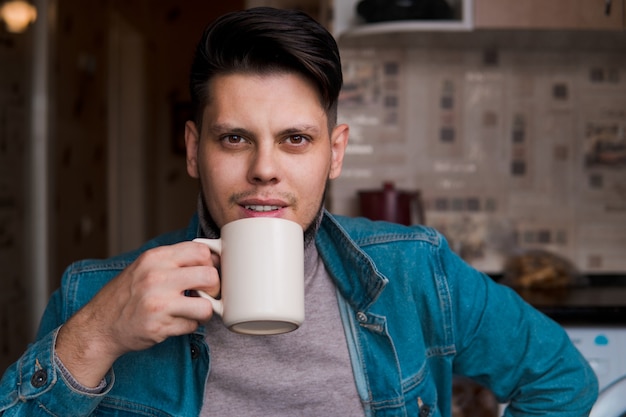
pixel 218 176
pixel 215 175
pixel 313 179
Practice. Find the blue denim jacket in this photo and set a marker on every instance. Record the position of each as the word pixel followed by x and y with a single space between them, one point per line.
pixel 414 314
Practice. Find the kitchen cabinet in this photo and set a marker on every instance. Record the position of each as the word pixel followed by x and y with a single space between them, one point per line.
pixel 602 15
pixel 347 22
pixel 549 14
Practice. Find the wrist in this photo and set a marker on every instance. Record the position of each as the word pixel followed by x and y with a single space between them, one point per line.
pixel 82 353
pixel 74 383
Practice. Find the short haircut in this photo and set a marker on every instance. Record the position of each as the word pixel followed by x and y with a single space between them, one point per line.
pixel 262 41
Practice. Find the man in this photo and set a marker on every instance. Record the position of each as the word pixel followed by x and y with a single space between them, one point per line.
pixel 392 313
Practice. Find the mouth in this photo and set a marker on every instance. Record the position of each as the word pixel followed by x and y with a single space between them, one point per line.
pixel 268 206
pixel 261 208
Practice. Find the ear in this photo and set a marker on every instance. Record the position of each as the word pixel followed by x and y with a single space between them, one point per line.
pixel 338 143
pixel 192 140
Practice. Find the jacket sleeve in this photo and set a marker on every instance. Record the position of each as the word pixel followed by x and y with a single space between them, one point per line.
pixel 35 386
pixel 523 356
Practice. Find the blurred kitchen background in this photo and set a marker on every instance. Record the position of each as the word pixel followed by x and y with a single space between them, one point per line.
pixel 502 121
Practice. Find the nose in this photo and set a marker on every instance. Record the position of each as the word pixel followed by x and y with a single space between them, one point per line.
pixel 264 165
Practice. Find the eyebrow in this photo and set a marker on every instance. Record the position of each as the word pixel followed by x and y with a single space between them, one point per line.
pixel 221 128
pixel 310 129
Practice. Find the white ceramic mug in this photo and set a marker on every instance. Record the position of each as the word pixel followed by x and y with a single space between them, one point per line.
pixel 262 275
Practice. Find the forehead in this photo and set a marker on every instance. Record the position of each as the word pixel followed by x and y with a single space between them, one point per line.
pixel 228 81
pixel 283 98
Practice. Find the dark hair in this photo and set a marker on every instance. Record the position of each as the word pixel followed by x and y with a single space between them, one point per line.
pixel 265 40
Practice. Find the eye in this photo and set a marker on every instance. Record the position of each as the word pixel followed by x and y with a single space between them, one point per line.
pixel 233 139
pixel 297 140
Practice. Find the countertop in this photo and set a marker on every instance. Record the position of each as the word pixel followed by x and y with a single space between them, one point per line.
pixel 601 301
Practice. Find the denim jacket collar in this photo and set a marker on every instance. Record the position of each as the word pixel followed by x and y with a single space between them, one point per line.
pixel 354 272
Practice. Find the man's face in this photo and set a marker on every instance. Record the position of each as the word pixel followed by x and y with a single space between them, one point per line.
pixel 265 149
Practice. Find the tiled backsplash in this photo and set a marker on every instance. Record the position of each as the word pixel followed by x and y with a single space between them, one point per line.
pixel 511 148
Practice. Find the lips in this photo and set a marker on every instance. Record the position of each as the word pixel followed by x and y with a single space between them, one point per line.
pixel 261 208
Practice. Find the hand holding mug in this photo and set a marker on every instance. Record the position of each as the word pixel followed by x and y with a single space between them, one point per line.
pixel 142 306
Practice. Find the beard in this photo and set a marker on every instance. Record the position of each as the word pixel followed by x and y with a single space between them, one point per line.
pixel 209 229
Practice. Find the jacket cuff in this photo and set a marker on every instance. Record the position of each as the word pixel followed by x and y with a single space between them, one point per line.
pixel 70 380
pixel 38 380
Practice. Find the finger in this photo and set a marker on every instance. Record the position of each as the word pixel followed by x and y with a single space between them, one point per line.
pixel 181 254
pixel 193 308
pixel 198 252
pixel 184 323
pixel 204 278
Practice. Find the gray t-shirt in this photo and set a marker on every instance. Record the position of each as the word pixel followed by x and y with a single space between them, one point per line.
pixel 303 373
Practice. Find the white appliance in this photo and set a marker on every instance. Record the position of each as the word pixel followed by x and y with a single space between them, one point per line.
pixel 605 350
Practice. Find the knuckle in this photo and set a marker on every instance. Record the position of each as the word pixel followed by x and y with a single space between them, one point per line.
pixel 153 304
pixel 150 256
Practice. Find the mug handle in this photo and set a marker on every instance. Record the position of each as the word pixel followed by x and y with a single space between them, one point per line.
pixel 216 246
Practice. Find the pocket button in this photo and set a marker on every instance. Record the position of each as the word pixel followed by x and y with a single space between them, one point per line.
pixel 424 411
pixel 195 351
pixel 39 379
